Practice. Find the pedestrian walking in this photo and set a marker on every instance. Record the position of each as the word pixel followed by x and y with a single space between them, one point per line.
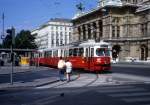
pixel 68 69
pixel 61 67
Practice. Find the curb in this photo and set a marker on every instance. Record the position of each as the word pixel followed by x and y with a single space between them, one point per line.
pixel 131 63
pixel 13 87
pixel 47 83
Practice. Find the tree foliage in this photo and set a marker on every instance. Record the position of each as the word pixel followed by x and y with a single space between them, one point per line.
pixel 0 45
pixel 24 40
pixel 7 41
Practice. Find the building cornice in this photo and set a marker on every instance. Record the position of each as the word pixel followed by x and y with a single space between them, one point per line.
pixel 127 39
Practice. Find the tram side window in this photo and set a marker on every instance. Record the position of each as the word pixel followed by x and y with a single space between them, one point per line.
pixel 86 52
pixel 66 53
pixel 55 53
pixel 102 52
pixel 61 53
pixel 75 52
pixel 92 52
pixel 42 54
pixel 81 51
pixel 49 53
pixel 46 54
pixel 70 52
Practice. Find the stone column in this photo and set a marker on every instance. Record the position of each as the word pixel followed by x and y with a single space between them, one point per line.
pixel 148 51
pixel 98 33
pixel 86 29
pixel 75 35
pixel 81 35
pixel 92 30
pixel 125 51
pixel 110 28
pixel 148 28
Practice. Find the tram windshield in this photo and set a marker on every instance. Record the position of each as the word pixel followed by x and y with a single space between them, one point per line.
pixel 102 52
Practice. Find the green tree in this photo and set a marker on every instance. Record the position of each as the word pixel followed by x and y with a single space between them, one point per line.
pixel 7 41
pixel 0 45
pixel 24 40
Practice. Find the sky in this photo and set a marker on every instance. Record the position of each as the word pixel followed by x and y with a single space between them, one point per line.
pixel 29 14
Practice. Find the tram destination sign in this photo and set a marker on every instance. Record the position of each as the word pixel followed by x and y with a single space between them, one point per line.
pixel 106 46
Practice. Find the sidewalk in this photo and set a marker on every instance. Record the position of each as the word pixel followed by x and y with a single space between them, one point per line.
pixel 141 64
pixel 36 76
pixel 132 62
pixel 24 72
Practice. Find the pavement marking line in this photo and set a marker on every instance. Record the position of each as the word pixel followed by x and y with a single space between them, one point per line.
pixel 50 85
pixel 132 77
pixel 121 90
pixel 141 99
pixel 147 82
pixel 130 94
pixel 117 87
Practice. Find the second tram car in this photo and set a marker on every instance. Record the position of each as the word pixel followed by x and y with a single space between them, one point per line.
pixel 90 56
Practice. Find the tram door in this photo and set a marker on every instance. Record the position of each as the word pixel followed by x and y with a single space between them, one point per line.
pixel 89 57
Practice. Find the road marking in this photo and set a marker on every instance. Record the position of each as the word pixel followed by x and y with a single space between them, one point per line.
pixel 130 94
pixel 53 85
pixel 140 99
pixel 131 77
pixel 120 90
pixel 117 87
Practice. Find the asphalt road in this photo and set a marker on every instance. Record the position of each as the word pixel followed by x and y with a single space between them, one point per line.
pixel 133 94
pixel 27 76
pixel 134 69
pixel 124 86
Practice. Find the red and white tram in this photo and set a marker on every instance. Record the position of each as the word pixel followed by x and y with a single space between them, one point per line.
pixel 89 56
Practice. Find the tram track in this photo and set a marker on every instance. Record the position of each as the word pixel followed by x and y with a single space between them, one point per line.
pixel 80 80
pixel 91 82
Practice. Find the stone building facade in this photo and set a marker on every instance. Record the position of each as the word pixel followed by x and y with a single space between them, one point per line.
pixel 125 24
pixel 55 32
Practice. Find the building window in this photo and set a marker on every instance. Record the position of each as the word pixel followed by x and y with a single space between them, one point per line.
pixel 65 39
pixel 113 31
pixel 52 42
pixel 118 31
pixel 56 27
pixel 60 28
pixel 57 42
pixel 144 29
pixel 70 29
pixel 70 39
pixel 61 42
pixel 52 27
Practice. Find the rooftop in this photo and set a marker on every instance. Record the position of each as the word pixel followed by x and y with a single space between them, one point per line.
pixel 60 20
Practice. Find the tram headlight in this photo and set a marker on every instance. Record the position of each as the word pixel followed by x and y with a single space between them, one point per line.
pixel 98 60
